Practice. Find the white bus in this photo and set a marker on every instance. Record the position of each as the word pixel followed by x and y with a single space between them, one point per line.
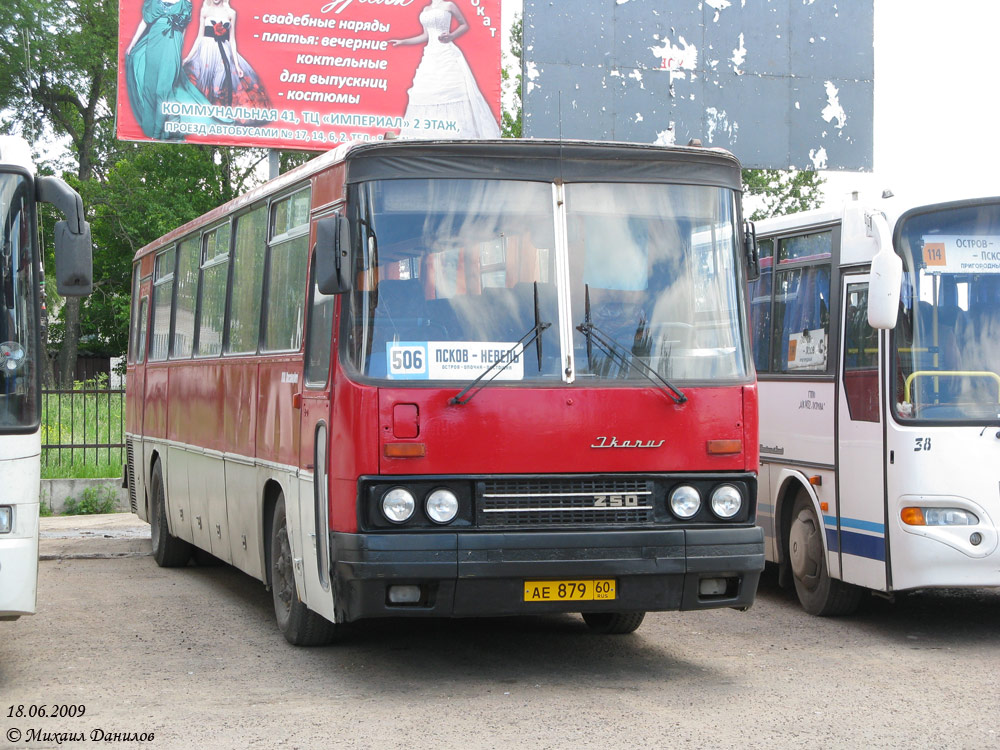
pixel 879 398
pixel 20 344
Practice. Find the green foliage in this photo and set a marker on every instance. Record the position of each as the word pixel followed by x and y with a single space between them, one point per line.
pixel 58 85
pixel 44 510
pixel 510 84
pixel 58 63
pixel 776 192
pixel 95 500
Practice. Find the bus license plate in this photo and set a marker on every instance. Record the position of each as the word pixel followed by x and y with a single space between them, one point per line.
pixel 569 591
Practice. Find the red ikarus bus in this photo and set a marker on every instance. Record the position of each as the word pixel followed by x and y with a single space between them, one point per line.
pixel 457 379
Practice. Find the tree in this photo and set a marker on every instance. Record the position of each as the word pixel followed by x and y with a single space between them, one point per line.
pixel 774 192
pixel 57 76
pixel 510 85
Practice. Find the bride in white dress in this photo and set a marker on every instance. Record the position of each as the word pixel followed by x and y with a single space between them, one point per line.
pixel 444 89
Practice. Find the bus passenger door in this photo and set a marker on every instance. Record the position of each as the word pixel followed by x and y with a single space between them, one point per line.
pixel 860 533
pixel 314 451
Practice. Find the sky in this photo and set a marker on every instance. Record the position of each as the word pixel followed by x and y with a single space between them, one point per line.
pixel 937 101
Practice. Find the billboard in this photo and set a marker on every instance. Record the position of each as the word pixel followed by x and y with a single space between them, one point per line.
pixel 780 84
pixel 309 74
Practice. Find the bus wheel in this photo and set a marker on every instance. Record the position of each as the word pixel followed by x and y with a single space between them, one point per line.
pixel 168 550
pixel 613 623
pixel 817 591
pixel 299 624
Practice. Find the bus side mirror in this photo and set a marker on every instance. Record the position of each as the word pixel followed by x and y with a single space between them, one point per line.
pixel 333 255
pixel 886 275
pixel 751 252
pixel 74 248
pixel 74 261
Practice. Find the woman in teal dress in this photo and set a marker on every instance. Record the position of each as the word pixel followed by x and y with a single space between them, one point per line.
pixel 153 72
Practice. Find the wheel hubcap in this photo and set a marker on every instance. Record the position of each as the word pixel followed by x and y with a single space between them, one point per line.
pixel 805 549
pixel 284 582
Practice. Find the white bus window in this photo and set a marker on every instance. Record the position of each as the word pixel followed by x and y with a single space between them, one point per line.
pixel 805 247
pixel 801 319
pixel 860 357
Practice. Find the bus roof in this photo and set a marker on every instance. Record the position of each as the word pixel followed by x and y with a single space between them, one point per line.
pixel 893 206
pixel 524 158
pixel 855 244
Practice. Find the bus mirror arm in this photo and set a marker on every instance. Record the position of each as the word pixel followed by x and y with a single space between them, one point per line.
pixel 751 251
pixel 73 247
pixel 886 275
pixel 55 191
pixel 333 255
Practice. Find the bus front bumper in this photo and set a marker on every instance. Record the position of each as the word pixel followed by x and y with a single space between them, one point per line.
pixel 467 574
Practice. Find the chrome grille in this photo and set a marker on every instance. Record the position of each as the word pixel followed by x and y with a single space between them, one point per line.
pixel 564 502
pixel 130 457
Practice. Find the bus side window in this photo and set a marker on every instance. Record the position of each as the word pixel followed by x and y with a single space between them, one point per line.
pixel 163 295
pixel 212 291
pixel 801 319
pixel 134 327
pixel 760 308
pixel 860 357
pixel 188 267
pixel 140 342
pixel 285 283
pixel 319 336
pixel 246 288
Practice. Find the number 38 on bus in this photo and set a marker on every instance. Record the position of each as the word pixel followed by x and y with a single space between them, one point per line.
pixel 455 379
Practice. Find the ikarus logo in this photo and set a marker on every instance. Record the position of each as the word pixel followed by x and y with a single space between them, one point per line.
pixel 603 441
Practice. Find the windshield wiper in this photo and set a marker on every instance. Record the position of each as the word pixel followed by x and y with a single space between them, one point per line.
pixel 534 334
pixel 618 352
pixel 498 364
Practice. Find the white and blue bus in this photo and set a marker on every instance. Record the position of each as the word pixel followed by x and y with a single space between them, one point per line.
pixel 876 336
pixel 21 190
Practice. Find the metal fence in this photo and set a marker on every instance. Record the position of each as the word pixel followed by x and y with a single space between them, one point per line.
pixel 83 431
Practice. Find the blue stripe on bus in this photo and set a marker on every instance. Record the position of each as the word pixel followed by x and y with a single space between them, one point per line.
pixel 852 543
pixel 855 523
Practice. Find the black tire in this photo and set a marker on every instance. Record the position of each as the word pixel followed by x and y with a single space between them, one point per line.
pixel 613 623
pixel 299 624
pixel 168 550
pixel 818 593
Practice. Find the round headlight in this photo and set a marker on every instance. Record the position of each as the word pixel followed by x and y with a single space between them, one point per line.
pixel 398 505
pixel 726 501
pixel 685 501
pixel 442 506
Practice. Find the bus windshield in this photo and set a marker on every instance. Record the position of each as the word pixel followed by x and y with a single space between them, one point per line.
pixel 947 339
pixel 455 275
pixel 18 318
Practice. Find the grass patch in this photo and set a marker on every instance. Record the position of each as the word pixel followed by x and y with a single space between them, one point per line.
pixel 81 470
pixel 89 415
